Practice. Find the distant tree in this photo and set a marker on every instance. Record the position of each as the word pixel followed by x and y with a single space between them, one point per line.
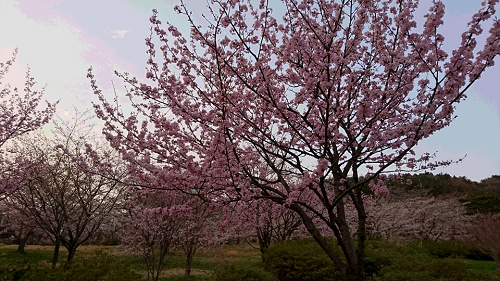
pixel 19 114
pixel 482 202
pixel 270 223
pixel 67 195
pixel 163 220
pixel 333 90
pixel 419 218
pixel 493 182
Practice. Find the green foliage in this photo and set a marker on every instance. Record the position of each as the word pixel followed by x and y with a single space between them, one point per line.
pixel 445 249
pixel 101 266
pixel 15 264
pixel 299 260
pixel 493 181
pixel 415 261
pixel 420 267
pixel 303 260
pixel 483 202
pixel 474 253
pixel 453 249
pixel 440 184
pixel 488 268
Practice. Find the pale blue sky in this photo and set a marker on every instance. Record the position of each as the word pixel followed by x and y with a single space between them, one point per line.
pixel 60 39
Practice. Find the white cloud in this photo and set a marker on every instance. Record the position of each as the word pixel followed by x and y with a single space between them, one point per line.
pixel 118 33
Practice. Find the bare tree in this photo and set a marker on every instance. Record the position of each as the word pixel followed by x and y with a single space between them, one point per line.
pixel 67 194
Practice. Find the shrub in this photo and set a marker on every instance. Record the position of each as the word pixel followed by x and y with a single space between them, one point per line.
pixel 299 259
pixel 453 248
pixel 423 268
pixel 415 263
pixel 444 249
pixel 474 253
pixel 303 260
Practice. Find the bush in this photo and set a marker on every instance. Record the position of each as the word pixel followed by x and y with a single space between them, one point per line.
pixel 444 249
pixel 452 248
pixel 423 268
pixel 416 263
pixel 299 260
pixel 476 254
pixel 304 260
pixel 237 272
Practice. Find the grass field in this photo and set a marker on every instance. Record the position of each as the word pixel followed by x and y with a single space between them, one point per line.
pixel 229 262
pixel 203 267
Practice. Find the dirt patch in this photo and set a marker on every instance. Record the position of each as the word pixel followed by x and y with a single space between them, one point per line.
pixel 180 272
pixel 83 248
pixel 242 250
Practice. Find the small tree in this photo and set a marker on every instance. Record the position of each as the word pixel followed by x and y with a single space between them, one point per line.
pixel 163 220
pixel 199 227
pixel 272 223
pixel 66 194
pixel 154 231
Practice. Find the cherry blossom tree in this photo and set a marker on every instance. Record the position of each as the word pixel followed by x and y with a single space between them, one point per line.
pixel 201 223
pixel 66 194
pixel 19 114
pixel 264 222
pixel 330 96
pixel 15 222
pixel 164 220
pixel 154 231
pixel 418 217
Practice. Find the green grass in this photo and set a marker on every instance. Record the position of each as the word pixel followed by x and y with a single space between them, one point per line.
pixel 488 268
pixel 205 263
pixel 11 261
pixel 402 261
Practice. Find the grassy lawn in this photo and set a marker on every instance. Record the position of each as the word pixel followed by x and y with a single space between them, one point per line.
pixel 230 262
pixel 487 267
pixel 204 264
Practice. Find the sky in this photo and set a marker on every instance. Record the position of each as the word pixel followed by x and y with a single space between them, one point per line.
pixel 60 39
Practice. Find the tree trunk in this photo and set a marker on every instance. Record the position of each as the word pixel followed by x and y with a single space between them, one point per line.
pixel 190 251
pixel 56 251
pixel 71 254
pixel 495 256
pixel 316 235
pixel 264 238
pixel 22 242
pixel 357 199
